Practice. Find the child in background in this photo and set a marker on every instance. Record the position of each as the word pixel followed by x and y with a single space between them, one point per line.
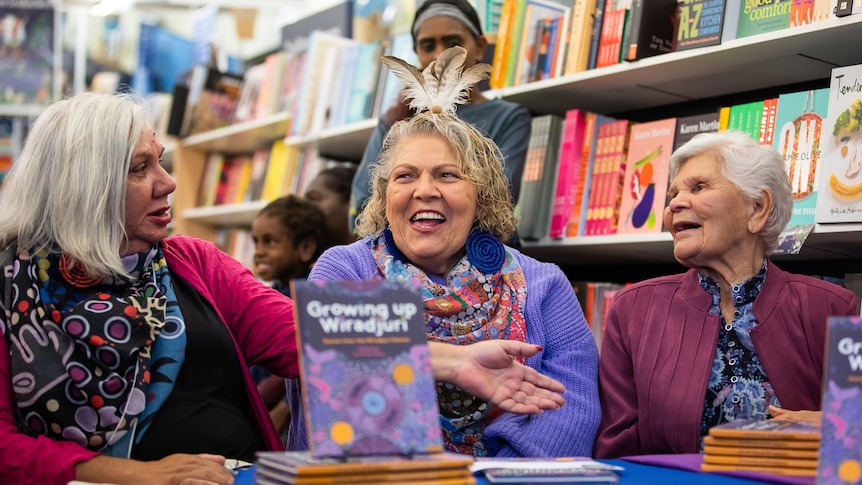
pixel 288 234
pixel 330 190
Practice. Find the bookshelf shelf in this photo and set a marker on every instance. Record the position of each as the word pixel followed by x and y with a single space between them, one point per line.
pixel 225 215
pixel 25 110
pixel 826 242
pixel 241 137
pixel 346 142
pixel 789 56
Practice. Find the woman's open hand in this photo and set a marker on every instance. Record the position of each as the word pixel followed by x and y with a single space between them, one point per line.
pixel 488 370
pixel 781 414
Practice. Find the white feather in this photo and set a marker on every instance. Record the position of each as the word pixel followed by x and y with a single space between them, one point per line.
pixel 444 83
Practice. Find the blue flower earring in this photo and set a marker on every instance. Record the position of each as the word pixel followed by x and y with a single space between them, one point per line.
pixel 393 249
pixel 485 251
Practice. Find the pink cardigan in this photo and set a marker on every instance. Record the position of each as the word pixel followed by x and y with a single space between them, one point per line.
pixel 659 343
pixel 259 318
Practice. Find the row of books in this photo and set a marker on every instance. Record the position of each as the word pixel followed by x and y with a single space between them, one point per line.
pixel 266 174
pixel 325 82
pixel 541 39
pixel 596 298
pixel 772 447
pixel 589 174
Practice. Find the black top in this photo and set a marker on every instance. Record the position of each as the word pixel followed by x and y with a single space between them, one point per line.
pixel 208 411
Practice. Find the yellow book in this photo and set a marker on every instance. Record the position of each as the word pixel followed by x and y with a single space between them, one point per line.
pixel 504 41
pixel 275 171
pixel 243 180
pixel 723 118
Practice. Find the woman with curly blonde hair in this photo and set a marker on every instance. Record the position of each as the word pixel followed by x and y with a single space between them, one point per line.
pixel 439 209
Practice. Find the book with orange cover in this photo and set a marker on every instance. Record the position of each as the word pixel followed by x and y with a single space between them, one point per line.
pixel 771 470
pixel 607 172
pixel 767 429
pixel 265 471
pixel 760 461
pixel 504 43
pixel 761 451
pixel 302 464
pixel 761 443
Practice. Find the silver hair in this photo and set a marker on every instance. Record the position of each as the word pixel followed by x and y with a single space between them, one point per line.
pixel 751 167
pixel 66 193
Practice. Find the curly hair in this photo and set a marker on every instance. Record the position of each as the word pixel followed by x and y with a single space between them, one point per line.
pixel 302 219
pixel 479 160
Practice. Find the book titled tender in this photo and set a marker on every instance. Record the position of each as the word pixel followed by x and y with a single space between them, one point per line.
pixel 839 197
pixel 841 442
pixel 365 369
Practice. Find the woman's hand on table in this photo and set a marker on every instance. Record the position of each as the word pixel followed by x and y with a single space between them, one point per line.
pixel 781 414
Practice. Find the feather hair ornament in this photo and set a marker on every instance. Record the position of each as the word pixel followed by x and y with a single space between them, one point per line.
pixel 443 85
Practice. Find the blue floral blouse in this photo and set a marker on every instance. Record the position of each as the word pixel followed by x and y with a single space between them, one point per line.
pixel 738 387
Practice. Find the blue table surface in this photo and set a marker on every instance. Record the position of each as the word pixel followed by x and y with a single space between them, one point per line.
pixel 634 473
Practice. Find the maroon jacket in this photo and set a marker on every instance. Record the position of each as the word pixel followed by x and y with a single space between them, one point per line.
pixel 659 343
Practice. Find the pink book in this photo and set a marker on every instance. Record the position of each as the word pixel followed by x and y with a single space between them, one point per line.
pixel 614 171
pixel 646 178
pixel 568 171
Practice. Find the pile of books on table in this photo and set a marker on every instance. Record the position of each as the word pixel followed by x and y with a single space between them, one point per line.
pixel 300 468
pixel 765 446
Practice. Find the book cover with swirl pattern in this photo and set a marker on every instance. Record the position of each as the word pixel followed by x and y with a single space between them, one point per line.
pixel 365 369
pixel 841 439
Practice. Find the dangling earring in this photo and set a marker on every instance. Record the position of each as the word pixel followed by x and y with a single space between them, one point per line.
pixel 485 251
pixel 75 275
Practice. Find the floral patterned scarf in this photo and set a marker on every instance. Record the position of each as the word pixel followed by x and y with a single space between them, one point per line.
pixel 85 364
pixel 469 308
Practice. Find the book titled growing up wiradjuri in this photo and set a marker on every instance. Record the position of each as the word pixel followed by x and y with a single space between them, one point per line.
pixel 299 468
pixel 841 443
pixel 365 369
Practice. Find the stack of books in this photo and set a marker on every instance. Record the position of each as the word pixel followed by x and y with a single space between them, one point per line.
pixel 300 468
pixel 766 446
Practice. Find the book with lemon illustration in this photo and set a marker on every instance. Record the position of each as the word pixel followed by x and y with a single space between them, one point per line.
pixel 365 369
pixel 840 187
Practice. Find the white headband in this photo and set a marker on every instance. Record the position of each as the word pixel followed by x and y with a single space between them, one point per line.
pixel 443 10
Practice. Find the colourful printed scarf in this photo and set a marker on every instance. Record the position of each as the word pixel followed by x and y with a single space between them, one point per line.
pixel 469 308
pixel 85 364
